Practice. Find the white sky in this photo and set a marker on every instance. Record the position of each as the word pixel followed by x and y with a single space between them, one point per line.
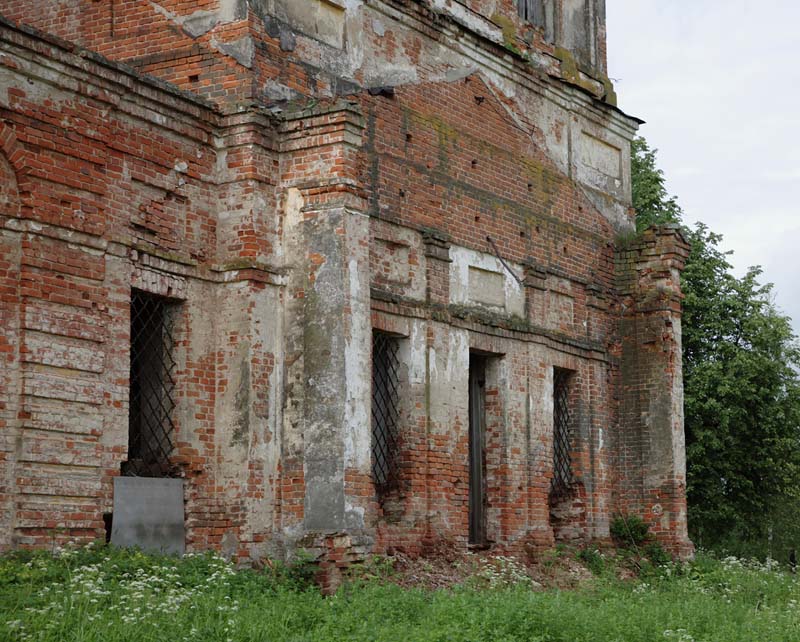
pixel 718 82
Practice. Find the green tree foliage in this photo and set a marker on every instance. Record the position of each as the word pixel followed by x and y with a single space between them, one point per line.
pixel 742 390
pixel 654 206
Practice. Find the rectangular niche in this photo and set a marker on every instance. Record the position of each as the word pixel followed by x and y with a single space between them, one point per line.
pixel 322 20
pixel 486 287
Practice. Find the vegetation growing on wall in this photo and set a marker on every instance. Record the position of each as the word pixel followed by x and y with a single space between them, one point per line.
pixel 111 595
pixel 742 389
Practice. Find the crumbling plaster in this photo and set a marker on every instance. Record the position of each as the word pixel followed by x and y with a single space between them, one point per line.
pixel 268 224
pixel 381 44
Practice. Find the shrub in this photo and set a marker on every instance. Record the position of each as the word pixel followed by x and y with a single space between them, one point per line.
pixel 656 554
pixel 593 559
pixel 301 572
pixel 629 530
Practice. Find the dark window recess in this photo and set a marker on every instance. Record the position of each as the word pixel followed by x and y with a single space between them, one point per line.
pixel 152 387
pixel 385 411
pixel 562 437
pixel 532 11
pixel 477 450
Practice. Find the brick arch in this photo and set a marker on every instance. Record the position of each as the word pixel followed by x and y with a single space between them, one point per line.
pixel 13 171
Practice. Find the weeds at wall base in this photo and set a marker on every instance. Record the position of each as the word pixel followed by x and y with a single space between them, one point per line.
pixel 101 593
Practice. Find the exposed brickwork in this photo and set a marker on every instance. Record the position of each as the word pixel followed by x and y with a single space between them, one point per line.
pixel 651 410
pixel 285 212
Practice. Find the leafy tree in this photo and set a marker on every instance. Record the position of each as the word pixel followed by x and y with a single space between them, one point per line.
pixel 742 390
pixel 654 206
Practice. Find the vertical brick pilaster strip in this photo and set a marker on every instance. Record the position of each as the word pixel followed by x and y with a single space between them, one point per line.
pixel 437 294
pixel 535 287
pixel 652 455
pixel 437 255
pixel 10 381
pixel 329 327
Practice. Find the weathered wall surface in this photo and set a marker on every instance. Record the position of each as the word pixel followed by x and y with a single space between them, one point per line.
pixel 446 165
pixel 651 450
pixel 111 183
pixel 441 171
pixel 236 51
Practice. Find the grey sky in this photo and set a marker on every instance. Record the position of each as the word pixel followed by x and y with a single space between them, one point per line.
pixel 718 82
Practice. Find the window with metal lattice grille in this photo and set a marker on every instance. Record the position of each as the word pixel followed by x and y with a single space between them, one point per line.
pixel 532 11
pixel 562 433
pixel 152 387
pixel 385 410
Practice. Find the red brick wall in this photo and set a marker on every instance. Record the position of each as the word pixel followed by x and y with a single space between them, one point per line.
pixel 161 39
pixel 450 157
pixel 118 189
pixel 122 183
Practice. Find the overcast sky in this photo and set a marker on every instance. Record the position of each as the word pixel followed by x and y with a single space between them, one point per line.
pixel 718 82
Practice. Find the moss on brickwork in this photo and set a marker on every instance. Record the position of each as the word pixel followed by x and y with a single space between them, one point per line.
pixel 611 94
pixel 509 32
pixel 152 250
pixel 572 74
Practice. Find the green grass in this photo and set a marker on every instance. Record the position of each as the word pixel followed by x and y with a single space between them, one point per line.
pixel 108 595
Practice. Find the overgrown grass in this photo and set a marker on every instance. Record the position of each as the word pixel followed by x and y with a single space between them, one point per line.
pixel 108 595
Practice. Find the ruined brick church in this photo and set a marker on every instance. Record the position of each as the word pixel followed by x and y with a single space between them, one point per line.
pixel 342 275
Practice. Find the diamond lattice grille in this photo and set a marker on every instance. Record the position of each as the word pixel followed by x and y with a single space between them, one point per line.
pixel 562 464
pixel 385 410
pixel 152 387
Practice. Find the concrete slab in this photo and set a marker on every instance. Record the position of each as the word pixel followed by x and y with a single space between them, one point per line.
pixel 148 513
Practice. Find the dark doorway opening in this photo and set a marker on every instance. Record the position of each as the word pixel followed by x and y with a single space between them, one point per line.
pixel 477 450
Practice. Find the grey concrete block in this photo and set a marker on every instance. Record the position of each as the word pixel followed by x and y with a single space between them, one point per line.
pixel 148 513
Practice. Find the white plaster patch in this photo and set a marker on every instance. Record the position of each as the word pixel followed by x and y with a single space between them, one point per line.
pixel 293 214
pixel 470 19
pixel 457 355
pixel 472 272
pixel 487 287
pixel 433 370
pixel 241 49
pixel 416 367
pixel 320 19
pixel 201 21
pixel 600 155
pixel 358 380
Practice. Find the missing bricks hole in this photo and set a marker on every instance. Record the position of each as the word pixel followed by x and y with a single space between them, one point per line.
pixel 479 99
pixel 474 163
pixel 108 520
pixel 477 218
pixel 522 234
pixel 565 250
pixel 538 229
pixel 194 78
pixel 408 138
pixel 530 187
pixel 402 193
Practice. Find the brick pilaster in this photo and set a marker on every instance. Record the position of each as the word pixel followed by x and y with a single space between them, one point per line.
pixel 652 456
